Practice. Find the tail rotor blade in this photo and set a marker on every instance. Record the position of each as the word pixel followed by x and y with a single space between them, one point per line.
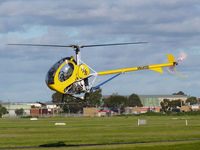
pixel 182 57
pixel 172 69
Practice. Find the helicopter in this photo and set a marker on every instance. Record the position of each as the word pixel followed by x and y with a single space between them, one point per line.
pixel 71 76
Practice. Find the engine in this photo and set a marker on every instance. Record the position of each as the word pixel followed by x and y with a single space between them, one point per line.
pixel 78 87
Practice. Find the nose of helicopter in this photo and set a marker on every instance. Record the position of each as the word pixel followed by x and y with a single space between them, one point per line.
pixel 54 87
pixel 49 81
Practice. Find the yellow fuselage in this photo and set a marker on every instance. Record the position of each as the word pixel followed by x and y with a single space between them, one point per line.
pixel 67 72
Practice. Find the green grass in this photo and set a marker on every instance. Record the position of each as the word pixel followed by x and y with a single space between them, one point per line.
pixel 161 132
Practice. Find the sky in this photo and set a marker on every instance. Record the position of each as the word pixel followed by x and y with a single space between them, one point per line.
pixel 171 26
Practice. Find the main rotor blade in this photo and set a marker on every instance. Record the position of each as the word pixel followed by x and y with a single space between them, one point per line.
pixel 44 45
pixel 77 46
pixel 82 46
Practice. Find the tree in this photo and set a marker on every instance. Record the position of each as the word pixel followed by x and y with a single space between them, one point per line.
pixel 57 97
pixel 179 93
pixel 133 100
pixel 94 98
pixel 19 112
pixel 168 105
pixel 116 102
pixel 72 104
pixel 192 100
pixel 165 104
pixel 175 103
pixel 69 104
pixel 3 111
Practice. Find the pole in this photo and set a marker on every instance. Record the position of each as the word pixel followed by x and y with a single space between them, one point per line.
pixel 186 122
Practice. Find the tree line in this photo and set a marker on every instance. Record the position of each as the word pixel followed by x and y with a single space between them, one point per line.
pixel 115 102
pixel 171 105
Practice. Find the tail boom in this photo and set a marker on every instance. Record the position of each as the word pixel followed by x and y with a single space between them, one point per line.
pixel 155 67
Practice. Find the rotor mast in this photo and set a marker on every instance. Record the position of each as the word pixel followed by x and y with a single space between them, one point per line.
pixel 77 52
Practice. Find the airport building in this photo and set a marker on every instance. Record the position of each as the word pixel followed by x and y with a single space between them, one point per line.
pixel 31 109
pixel 11 107
pixel 154 100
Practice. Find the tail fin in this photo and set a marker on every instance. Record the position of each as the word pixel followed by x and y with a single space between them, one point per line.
pixel 171 58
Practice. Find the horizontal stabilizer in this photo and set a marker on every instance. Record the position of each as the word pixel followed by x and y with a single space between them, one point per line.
pixel 159 69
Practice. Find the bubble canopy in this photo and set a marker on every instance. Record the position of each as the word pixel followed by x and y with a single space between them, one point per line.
pixel 64 74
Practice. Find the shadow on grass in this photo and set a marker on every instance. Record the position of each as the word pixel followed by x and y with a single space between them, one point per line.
pixel 62 144
pixel 57 144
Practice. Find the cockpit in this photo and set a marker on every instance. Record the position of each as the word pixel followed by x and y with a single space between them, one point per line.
pixel 64 74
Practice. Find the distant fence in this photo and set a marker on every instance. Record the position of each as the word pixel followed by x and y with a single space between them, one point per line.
pixel 45 115
pixel 62 115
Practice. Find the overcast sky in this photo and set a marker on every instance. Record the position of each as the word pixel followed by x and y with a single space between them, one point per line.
pixel 171 26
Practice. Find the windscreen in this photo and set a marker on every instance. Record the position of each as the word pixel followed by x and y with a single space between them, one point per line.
pixel 66 72
pixel 52 71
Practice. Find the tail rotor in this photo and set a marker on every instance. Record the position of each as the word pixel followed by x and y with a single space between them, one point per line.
pixel 182 57
pixel 180 60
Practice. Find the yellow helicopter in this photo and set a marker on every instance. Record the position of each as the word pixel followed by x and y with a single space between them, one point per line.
pixel 72 76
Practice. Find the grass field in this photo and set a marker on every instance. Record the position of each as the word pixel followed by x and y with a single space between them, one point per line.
pixel 166 132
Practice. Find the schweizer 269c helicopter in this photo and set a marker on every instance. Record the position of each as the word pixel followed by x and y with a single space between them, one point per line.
pixel 72 76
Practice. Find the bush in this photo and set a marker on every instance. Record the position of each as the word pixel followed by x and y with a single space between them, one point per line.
pixel 168 113
pixel 3 111
pixel 19 112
